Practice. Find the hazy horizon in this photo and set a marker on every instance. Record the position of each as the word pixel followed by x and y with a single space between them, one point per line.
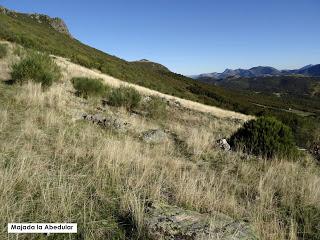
pixel 193 37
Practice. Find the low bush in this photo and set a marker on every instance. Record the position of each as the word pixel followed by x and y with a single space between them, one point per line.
pixel 36 67
pixel 89 86
pixel 156 108
pixel 265 136
pixel 124 96
pixel 3 50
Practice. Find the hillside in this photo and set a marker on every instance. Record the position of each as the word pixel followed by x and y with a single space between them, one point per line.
pixel 149 64
pixel 292 85
pixel 29 32
pixel 123 174
pixel 74 70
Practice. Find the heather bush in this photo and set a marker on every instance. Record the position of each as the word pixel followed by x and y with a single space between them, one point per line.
pixel 89 86
pixel 156 108
pixel 265 136
pixel 36 67
pixel 124 96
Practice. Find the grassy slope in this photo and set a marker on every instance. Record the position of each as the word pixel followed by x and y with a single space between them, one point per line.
pixel 29 33
pixel 53 169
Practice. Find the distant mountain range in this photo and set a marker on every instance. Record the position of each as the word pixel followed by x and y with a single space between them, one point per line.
pixel 261 71
pixel 299 82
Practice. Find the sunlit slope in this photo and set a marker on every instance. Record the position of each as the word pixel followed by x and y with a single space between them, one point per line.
pixel 22 29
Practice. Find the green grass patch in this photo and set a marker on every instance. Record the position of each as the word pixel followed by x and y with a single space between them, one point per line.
pixel 36 67
pixel 89 87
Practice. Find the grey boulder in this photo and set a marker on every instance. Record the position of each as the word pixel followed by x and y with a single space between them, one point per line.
pixel 173 223
pixel 108 122
pixel 154 136
pixel 223 144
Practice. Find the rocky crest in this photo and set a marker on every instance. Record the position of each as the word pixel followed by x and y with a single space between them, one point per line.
pixel 56 23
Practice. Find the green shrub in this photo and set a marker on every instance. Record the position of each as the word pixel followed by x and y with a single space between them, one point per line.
pixel 265 136
pixel 156 108
pixel 127 97
pixel 89 86
pixel 36 67
pixel 3 50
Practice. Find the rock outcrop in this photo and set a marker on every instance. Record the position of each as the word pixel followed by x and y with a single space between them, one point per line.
pixel 4 10
pixel 56 23
pixel 154 136
pixel 108 122
pixel 223 144
pixel 173 223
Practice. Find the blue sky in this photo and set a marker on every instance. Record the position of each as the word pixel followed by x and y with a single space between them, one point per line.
pixel 193 36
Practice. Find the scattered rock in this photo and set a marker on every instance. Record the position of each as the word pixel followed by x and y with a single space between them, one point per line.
pixel 139 112
pixel 174 103
pixel 237 121
pixel 107 122
pixel 154 136
pixel 223 144
pixel 101 109
pixel 171 223
pixel 105 102
pixel 146 99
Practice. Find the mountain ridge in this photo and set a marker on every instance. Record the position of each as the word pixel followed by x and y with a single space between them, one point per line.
pixel 261 71
pixel 154 65
pixel 56 23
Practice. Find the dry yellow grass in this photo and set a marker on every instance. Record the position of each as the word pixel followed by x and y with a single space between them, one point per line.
pixel 5 63
pixel 54 168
